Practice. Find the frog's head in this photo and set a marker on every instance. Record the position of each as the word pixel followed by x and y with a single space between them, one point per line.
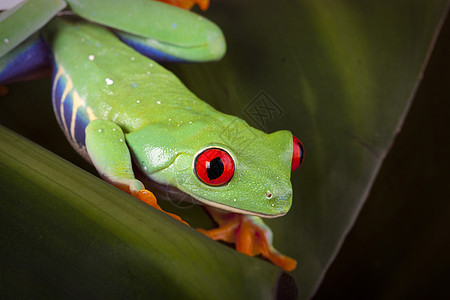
pixel 238 169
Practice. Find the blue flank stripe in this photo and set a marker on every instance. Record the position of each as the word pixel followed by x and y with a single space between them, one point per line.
pixel 81 118
pixel 152 53
pixel 58 94
pixel 81 122
pixel 28 58
pixel 68 105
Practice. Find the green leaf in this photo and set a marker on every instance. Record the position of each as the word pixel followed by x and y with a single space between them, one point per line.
pixel 21 21
pixel 66 232
pixel 400 243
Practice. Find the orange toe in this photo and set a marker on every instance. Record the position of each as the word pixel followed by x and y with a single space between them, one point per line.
pixel 225 232
pixel 148 197
pixel 187 4
pixel 261 244
pixel 250 238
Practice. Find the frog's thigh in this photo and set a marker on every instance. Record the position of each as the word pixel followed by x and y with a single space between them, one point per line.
pixel 106 146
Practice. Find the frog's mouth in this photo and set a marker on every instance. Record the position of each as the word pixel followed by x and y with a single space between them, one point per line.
pixel 176 195
pixel 237 210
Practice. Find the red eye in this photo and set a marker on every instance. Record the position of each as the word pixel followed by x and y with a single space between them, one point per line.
pixel 214 167
pixel 298 154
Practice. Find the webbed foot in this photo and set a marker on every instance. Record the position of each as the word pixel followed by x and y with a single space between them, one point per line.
pixel 251 236
pixel 150 199
pixel 187 4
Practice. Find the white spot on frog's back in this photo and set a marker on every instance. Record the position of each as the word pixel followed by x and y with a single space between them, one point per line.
pixel 6 40
pixel 91 57
pixel 109 81
pixel 105 109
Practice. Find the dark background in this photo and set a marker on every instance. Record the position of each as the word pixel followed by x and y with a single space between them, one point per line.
pixel 399 247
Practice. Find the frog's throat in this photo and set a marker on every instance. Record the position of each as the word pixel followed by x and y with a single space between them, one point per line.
pixel 235 210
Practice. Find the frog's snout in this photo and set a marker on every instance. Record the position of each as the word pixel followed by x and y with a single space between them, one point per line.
pixel 278 200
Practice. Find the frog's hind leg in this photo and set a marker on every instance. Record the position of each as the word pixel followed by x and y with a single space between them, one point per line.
pixel 108 151
pixel 29 60
pixel 250 234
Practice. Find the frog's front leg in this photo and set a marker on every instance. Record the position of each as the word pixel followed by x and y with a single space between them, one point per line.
pixel 250 234
pixel 106 146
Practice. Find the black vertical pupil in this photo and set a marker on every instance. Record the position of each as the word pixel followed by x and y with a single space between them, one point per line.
pixel 300 146
pixel 215 168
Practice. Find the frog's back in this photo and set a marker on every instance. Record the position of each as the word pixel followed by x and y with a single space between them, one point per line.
pixel 96 76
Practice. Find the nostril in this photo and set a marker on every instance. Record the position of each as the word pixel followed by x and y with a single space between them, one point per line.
pixel 269 195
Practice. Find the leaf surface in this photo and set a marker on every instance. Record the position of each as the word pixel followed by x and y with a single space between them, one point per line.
pixel 21 21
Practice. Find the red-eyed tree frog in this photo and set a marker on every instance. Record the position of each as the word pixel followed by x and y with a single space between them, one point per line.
pixel 118 107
